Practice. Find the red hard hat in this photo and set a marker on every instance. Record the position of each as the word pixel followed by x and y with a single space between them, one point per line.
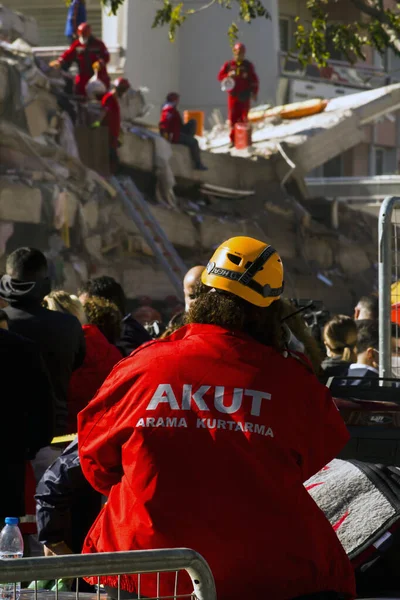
pixel 173 97
pixel 122 84
pixel 239 46
pixel 84 30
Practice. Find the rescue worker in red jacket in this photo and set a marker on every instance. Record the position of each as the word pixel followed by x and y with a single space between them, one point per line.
pixel 86 51
pixel 111 117
pixel 173 129
pixel 204 439
pixel 246 81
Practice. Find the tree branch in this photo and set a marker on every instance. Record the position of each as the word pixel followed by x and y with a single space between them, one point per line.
pixel 194 11
pixel 369 10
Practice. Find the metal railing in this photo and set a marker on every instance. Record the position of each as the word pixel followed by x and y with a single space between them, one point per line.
pixel 336 72
pixel 115 564
pixel 389 274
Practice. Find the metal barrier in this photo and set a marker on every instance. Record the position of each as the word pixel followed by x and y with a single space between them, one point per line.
pixel 116 564
pixel 389 272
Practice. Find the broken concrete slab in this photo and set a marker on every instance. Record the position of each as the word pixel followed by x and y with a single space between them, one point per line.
pixel 20 203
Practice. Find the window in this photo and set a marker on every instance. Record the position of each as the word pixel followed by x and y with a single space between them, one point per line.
pixel 333 168
pixel 51 15
pixel 379 162
pixel 286 34
pixel 383 160
pixel 335 54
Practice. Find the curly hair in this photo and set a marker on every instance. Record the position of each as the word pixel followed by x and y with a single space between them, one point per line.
pixel 106 316
pixel 231 312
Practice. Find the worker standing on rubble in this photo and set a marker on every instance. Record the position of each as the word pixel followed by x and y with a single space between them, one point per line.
pixel 111 117
pixel 175 131
pixel 90 54
pixel 221 414
pixel 245 87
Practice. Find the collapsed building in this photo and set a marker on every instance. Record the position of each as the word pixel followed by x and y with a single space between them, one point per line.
pixel 56 194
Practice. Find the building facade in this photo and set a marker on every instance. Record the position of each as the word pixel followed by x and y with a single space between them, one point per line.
pixel 190 65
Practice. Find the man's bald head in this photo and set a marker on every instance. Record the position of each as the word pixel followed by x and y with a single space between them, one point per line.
pixel 192 278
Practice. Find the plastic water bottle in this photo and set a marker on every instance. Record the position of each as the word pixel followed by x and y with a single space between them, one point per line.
pixel 11 546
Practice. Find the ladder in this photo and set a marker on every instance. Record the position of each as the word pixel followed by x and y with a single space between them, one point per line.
pixel 151 230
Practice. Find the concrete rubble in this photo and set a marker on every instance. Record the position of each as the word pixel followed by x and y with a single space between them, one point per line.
pixel 52 197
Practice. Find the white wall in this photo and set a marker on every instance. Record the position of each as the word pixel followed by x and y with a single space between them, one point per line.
pixel 190 65
pixel 151 60
pixel 206 47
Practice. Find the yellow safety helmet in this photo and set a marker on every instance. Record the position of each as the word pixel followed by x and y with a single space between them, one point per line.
pixel 246 268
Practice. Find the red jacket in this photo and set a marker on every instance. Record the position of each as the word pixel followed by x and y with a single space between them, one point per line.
pixel 170 123
pixel 100 358
pixel 204 440
pixel 112 118
pixel 246 79
pixel 85 56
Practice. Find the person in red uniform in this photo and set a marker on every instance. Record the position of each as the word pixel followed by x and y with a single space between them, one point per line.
pixel 173 129
pixel 246 80
pixel 204 439
pixel 111 117
pixel 86 51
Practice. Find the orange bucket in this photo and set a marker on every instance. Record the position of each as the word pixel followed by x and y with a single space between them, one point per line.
pixel 198 116
pixel 242 136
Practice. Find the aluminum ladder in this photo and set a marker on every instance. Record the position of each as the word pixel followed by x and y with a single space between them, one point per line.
pixel 151 230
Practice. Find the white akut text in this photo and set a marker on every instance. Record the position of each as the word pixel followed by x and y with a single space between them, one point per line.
pixel 207 424
pixel 190 397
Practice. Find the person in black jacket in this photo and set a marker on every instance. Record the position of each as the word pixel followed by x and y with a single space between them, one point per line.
pixel 367 365
pixel 66 505
pixel 27 416
pixel 133 334
pixel 59 336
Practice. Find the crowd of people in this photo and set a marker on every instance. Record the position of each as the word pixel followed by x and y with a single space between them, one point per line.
pixel 227 408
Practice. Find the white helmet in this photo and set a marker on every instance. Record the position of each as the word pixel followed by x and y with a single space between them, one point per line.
pixel 95 87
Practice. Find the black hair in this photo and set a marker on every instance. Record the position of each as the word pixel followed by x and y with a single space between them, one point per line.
pixel 3 316
pixel 105 287
pixel 371 304
pixel 27 264
pixel 368 335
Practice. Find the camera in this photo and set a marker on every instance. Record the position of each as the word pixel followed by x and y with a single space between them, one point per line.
pixel 314 314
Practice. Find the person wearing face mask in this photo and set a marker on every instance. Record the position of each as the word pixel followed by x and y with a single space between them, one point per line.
pixel 90 54
pixel 59 337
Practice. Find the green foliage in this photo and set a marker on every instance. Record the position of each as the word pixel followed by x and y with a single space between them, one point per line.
pixel 173 15
pixel 376 26
pixel 112 6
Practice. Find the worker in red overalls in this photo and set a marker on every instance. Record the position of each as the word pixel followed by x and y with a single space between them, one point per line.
pixel 86 51
pixel 246 86
pixel 111 117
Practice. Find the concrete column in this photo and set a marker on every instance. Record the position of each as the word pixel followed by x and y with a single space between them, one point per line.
pixel 110 29
pixel 152 61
